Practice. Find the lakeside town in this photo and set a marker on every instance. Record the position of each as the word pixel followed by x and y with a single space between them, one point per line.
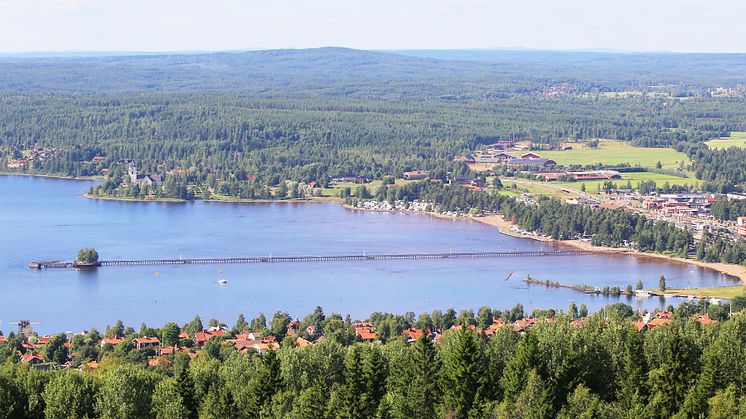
pixel 85 350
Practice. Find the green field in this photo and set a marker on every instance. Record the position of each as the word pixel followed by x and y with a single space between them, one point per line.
pixel 615 152
pixel 714 292
pixel 533 188
pixel 634 178
pixel 736 139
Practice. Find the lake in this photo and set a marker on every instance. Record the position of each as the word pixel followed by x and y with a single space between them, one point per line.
pixel 44 218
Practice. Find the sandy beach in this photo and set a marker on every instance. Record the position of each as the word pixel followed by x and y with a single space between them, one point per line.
pixel 737 271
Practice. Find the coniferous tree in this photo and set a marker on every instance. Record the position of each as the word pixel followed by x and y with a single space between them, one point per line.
pixel 375 372
pixel 516 372
pixel 352 403
pixel 265 383
pixel 426 368
pixel 463 371
pixel 185 389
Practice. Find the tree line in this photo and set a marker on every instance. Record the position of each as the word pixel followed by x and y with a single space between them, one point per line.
pixel 598 366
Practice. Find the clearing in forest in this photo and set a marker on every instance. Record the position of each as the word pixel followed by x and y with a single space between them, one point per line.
pixel 617 152
pixel 736 139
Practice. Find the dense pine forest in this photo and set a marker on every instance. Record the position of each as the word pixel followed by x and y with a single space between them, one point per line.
pixel 243 121
pixel 687 362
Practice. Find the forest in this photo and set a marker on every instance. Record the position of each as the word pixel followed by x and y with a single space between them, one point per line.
pixel 567 365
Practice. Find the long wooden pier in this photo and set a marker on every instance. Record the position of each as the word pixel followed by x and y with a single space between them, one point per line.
pixel 330 258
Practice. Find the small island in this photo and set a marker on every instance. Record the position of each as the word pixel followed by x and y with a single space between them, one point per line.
pixel 87 258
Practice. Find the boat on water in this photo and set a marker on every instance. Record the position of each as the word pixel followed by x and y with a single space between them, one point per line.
pixel 222 282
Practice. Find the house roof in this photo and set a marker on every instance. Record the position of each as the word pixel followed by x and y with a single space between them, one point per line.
pixel 703 320
pixel 300 342
pixel 112 341
pixel 365 333
pixel 663 315
pixel 652 324
pixel 532 162
pixel 146 340
pixel 168 350
pixel 204 336
pixel 28 358
pixel 414 334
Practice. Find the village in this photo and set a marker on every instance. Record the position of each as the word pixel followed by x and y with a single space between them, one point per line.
pixel 33 349
pixel 685 209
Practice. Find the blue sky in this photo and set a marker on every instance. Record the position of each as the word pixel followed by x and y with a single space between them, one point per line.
pixel 181 25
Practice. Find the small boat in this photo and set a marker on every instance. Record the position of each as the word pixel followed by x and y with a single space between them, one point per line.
pixel 220 271
pixel 222 282
pixel 157 274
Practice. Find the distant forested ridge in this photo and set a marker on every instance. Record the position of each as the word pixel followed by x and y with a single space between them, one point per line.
pixel 305 115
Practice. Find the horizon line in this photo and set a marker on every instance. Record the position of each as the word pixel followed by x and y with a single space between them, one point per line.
pixel 94 53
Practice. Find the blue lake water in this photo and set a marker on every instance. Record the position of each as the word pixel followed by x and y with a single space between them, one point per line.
pixel 42 218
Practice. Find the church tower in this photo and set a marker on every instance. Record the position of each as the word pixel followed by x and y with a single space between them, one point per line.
pixel 133 173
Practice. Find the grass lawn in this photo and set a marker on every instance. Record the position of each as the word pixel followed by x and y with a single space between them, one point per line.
pixel 634 178
pixel 534 188
pixel 617 152
pixel 736 139
pixel 715 292
pixel 372 187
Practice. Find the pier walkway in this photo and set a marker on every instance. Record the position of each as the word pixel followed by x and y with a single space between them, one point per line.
pixel 331 258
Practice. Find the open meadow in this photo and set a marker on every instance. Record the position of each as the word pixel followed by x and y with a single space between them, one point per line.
pixel 736 139
pixel 634 179
pixel 616 152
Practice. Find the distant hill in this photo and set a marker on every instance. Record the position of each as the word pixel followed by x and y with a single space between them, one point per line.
pixel 257 71
pixel 340 71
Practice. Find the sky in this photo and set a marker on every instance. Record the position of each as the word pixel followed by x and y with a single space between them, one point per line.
pixel 223 25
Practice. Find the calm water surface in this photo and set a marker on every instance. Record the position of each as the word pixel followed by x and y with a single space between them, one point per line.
pixel 44 218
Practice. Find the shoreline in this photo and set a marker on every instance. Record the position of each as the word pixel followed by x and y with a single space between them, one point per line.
pixel 313 200
pixel 738 272
pixel 735 271
pixel 86 178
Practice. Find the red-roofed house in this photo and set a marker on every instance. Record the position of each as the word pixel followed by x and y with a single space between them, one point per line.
pixel 704 320
pixel 415 175
pixel 663 315
pixel 145 343
pixel 652 324
pixel 365 334
pixel 300 342
pixel 200 338
pixel 111 341
pixel 32 359
pixel 414 334
pixel 168 350
pixel 523 324
pixel 160 361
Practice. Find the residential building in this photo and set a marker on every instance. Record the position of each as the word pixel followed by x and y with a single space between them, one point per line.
pixel 415 175
pixel 146 342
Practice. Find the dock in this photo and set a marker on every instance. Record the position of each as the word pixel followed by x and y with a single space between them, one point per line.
pixel 308 259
